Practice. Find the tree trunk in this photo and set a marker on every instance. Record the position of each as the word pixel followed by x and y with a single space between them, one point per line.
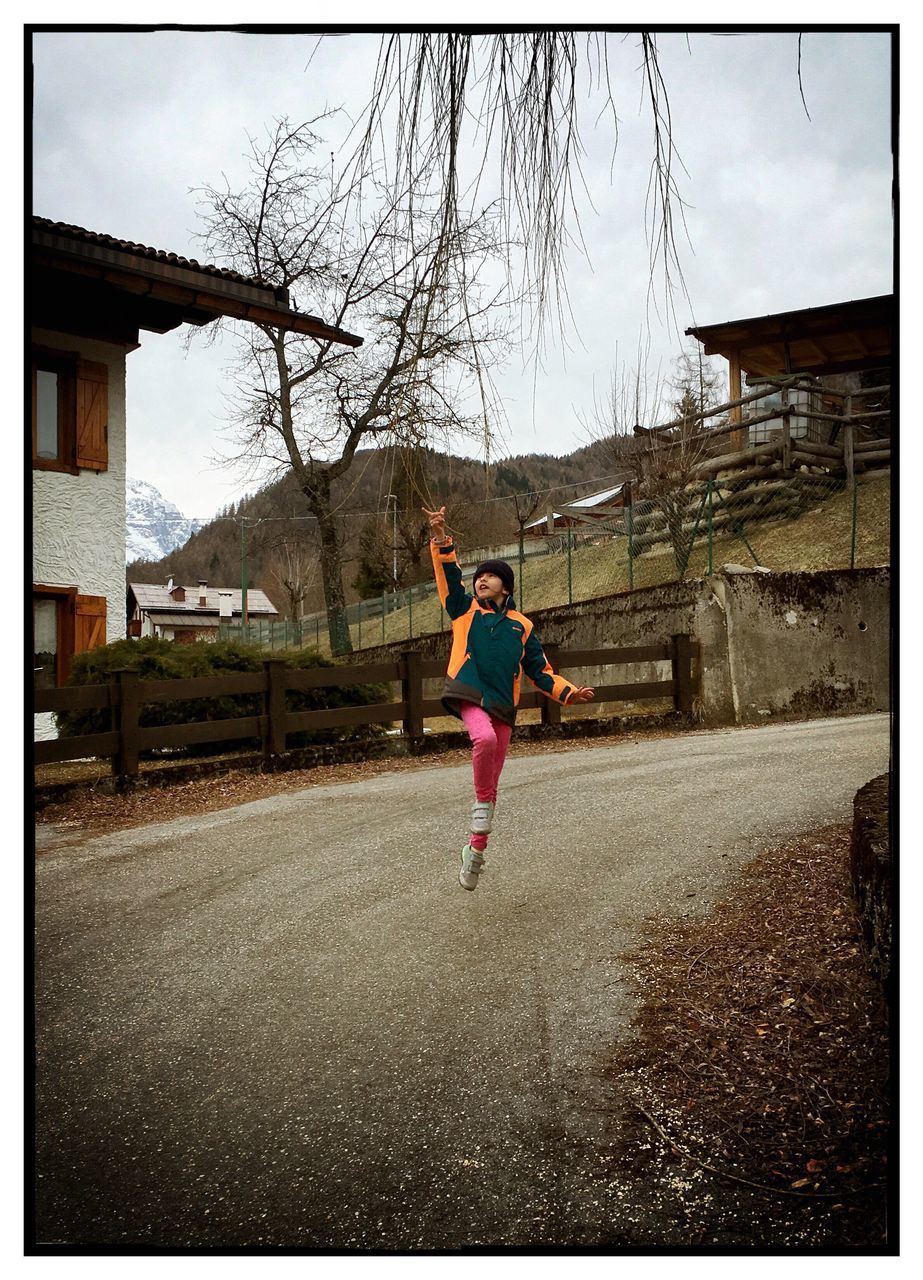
pixel 318 496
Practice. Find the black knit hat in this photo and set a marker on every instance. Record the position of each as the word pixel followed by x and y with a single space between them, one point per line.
pixel 498 567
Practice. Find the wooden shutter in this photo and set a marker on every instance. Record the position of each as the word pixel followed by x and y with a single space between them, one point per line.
pixel 92 415
pixel 89 622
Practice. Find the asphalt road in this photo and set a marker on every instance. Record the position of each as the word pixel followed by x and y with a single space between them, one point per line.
pixel 286 1024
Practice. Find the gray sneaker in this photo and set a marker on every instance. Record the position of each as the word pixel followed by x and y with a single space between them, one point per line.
pixel 471 868
pixel 482 817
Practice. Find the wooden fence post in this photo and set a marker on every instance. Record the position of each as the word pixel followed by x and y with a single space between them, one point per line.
pixel 412 693
pixel 786 431
pixel 551 710
pixel 849 436
pixel 274 707
pixel 125 761
pixel 684 685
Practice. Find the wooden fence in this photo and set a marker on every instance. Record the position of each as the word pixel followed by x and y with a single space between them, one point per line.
pixel 126 694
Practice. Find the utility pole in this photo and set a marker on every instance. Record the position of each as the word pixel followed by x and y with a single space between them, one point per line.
pixel 393 536
pixel 243 577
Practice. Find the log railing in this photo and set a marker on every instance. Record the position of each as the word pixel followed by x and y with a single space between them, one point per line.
pixel 126 694
pixel 844 452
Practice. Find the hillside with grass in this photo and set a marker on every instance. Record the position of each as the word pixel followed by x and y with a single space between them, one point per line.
pixel 819 538
pixel 482 499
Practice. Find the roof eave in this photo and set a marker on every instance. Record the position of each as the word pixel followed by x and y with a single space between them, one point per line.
pixel 199 295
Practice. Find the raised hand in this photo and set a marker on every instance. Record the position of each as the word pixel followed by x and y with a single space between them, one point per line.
pixel 436 523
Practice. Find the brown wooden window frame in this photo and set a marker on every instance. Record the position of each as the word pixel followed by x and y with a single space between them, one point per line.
pixel 66 626
pixel 64 364
pixel 83 411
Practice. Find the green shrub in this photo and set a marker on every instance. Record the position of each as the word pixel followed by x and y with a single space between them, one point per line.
pixel 157 659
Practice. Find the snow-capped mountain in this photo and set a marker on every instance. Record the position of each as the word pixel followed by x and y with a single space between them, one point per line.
pixel 153 526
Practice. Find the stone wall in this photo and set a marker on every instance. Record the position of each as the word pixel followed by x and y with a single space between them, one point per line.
pixel 870 867
pixel 774 646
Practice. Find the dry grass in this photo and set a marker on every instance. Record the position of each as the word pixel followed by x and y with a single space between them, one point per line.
pixel 819 538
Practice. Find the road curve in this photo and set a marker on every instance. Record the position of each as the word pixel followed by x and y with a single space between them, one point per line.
pixel 285 1024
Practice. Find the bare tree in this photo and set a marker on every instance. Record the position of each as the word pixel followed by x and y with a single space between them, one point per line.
pixel 697 385
pixel 376 263
pixel 293 566
pixel 391 552
pixel 526 505
pixel 507 104
pixel 666 467
pixel 660 458
pixel 635 395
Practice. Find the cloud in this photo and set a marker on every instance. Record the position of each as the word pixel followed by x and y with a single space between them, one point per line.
pixel 783 211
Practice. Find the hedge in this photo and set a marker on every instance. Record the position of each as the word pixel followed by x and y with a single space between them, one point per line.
pixel 156 659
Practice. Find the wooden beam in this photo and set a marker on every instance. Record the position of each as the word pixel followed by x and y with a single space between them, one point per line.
pixel 736 440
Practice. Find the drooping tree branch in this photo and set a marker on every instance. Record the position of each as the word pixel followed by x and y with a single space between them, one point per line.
pixel 457 112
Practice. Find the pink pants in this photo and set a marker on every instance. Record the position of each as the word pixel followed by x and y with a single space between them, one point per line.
pixel 490 738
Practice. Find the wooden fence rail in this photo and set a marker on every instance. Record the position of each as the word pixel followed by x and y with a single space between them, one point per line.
pixel 126 694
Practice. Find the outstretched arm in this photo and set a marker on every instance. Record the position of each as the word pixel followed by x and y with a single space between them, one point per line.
pixel 545 678
pixel 455 599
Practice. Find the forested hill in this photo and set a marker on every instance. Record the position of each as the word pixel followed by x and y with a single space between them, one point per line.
pixel 479 499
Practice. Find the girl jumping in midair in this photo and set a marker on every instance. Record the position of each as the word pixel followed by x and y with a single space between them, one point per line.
pixel 492 645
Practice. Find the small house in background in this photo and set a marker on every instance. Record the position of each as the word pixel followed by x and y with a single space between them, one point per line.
pixel 186 614
pixel 842 346
pixel 579 513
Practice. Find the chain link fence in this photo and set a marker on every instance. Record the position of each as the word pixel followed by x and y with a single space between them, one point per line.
pixel 809 522
pixel 806 522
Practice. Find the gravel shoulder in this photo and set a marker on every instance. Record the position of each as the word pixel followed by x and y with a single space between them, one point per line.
pixel 97 812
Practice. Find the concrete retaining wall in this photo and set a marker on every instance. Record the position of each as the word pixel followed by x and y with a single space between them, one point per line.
pixel 775 646
pixel 807 644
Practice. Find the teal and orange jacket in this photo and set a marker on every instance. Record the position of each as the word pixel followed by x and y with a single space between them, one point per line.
pixel 491 647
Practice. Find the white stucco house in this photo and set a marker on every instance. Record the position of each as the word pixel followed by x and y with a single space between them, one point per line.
pixel 89 298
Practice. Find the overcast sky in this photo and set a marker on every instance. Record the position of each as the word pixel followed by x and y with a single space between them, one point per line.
pixel 782 211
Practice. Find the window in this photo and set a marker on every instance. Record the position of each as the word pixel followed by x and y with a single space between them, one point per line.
pixel 45 630
pixel 48 414
pixel 63 623
pixel 53 418
pixel 52 635
pixel 771 429
pixel 70 411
